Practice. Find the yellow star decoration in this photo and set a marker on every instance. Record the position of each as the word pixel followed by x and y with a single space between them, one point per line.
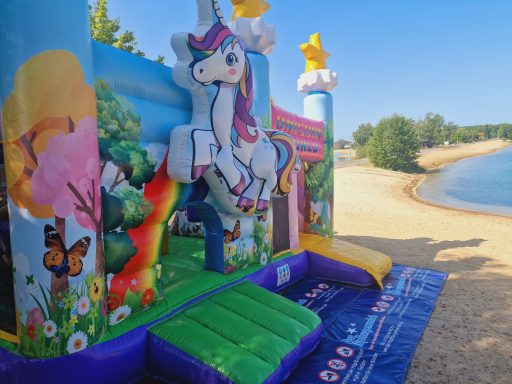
pixel 248 8
pixel 314 53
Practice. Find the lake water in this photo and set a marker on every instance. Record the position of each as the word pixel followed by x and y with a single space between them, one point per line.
pixel 481 184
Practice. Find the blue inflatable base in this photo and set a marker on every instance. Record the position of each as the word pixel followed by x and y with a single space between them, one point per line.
pixel 370 335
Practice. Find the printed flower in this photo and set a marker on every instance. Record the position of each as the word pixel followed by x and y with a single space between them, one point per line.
pixel 73 320
pixel 133 282
pixel 104 307
pixel 83 305
pixel 77 342
pixel 91 331
pixel 267 238
pixel 74 312
pixel 148 296
pixel 120 314
pixel 31 332
pixel 114 302
pixel 67 329
pixel 69 302
pixel 263 258
pixel 229 269
pixel 93 313
pixel 60 304
pixel 96 289
pixel 49 328
pixel 35 317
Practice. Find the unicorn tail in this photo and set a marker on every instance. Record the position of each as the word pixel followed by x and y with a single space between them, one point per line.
pixel 287 161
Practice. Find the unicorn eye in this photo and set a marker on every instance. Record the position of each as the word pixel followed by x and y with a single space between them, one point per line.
pixel 231 59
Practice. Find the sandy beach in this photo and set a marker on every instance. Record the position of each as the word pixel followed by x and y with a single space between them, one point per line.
pixel 469 337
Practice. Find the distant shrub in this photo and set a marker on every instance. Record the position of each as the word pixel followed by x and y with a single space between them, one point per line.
pixel 394 144
pixel 361 152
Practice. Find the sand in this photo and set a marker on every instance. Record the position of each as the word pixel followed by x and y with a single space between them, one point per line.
pixel 469 337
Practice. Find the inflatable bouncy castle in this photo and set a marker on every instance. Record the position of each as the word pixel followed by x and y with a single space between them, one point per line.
pixel 175 223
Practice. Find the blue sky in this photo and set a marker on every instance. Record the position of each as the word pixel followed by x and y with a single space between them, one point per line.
pixel 452 57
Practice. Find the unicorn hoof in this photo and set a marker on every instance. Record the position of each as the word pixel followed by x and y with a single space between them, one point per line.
pixel 262 206
pixel 245 204
pixel 198 171
pixel 239 188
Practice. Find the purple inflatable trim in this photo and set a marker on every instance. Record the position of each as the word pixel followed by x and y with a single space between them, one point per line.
pixel 124 358
pixel 324 268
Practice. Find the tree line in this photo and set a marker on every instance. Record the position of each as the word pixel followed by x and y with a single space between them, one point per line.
pixel 395 141
pixel 106 31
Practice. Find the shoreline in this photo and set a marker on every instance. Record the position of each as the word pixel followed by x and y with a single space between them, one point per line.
pixel 411 189
pixel 375 208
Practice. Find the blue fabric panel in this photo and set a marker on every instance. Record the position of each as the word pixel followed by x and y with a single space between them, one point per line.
pixel 370 334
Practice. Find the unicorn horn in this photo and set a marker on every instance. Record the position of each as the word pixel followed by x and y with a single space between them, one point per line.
pixel 208 14
pixel 217 13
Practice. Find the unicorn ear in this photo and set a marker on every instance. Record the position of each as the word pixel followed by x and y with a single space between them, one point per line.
pixel 208 14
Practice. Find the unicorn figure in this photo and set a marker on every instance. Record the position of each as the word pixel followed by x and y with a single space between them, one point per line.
pixel 242 163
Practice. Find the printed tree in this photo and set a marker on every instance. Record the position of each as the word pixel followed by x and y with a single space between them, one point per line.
pixel 124 205
pixel 67 179
pixel 319 177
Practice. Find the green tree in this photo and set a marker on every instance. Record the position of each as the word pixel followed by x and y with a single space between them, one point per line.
pixel 320 175
pixel 135 207
pixel 448 130
pixel 124 206
pixel 361 136
pixel 429 130
pixel 105 30
pixel 160 59
pixel 133 162
pixel 119 248
pixel 394 144
pixel 505 132
pixel 461 135
pixel 117 118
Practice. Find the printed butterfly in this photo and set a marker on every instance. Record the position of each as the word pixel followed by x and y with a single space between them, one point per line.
pixel 232 236
pixel 61 260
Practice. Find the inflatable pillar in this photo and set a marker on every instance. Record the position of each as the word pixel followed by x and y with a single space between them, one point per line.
pixel 51 154
pixel 316 81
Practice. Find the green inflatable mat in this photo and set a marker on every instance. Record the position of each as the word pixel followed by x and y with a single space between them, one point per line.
pixel 243 333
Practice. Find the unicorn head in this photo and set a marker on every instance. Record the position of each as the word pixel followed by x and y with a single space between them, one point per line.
pixel 218 57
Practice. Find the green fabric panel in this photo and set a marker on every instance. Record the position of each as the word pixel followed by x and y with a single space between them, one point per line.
pixel 260 341
pixel 186 246
pixel 183 279
pixel 279 303
pixel 183 284
pixel 243 332
pixel 216 351
pixel 262 315
pixel 11 347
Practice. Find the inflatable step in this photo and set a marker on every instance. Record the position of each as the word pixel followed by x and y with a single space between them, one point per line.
pixel 339 260
pixel 243 334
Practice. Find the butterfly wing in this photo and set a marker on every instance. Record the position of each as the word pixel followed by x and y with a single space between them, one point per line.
pixel 228 236
pixel 75 254
pixel 54 259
